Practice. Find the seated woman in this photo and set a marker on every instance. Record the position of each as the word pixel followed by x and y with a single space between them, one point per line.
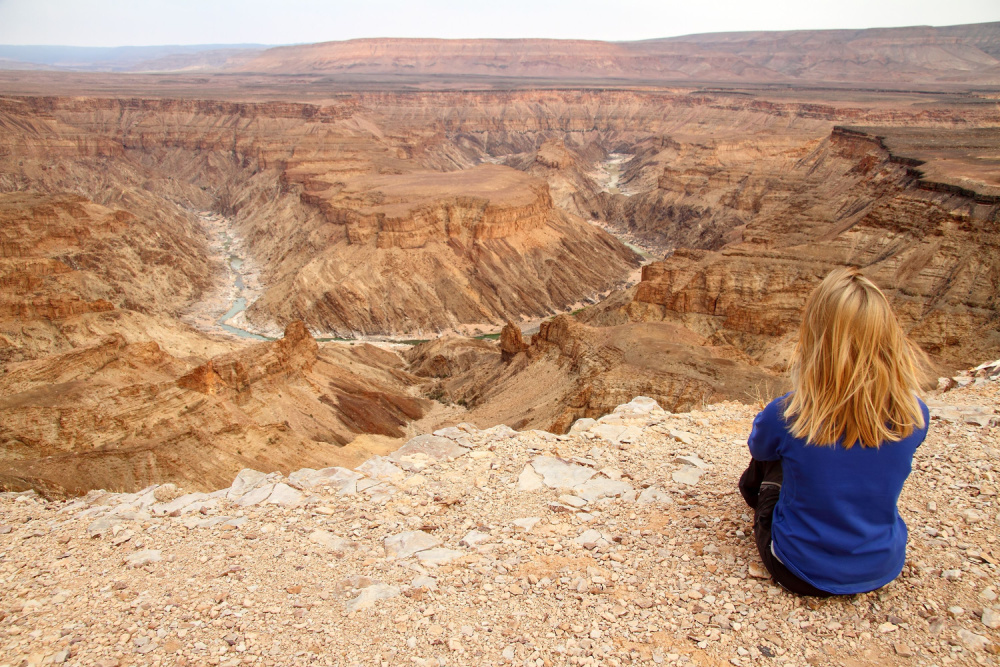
pixel 829 458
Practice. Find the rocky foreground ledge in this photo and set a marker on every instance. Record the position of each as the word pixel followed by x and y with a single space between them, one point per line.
pixel 624 542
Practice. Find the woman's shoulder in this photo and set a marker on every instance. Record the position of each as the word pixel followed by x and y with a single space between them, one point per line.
pixel 774 412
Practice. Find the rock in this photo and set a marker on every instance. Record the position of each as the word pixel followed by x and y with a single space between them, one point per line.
pixel 689 475
pixel 103 525
pixel 330 541
pixel 651 495
pixel 424 450
pixel 991 618
pixel 757 571
pixel 951 575
pixel 406 544
pixel 256 496
pixel 474 537
pixel 887 627
pixel 639 405
pixel 590 537
pixel 573 501
pixel 601 487
pixel 177 504
pixel 529 480
pixel 285 496
pixel 438 556
pixel 610 432
pixel 143 558
pixel 122 537
pixel 902 650
pixel 511 341
pixel 558 474
pixel 972 641
pixel 526 524
pixel 166 492
pixel 382 469
pixel 246 480
pixel 5 530
pixel 582 425
pixel 370 595
pixel 692 460
pixel 973 516
pixel 343 480
pixel 682 436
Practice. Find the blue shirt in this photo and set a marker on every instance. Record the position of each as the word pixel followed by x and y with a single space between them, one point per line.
pixel 836 524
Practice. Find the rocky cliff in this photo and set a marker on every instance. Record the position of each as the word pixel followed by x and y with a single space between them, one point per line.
pixel 848 201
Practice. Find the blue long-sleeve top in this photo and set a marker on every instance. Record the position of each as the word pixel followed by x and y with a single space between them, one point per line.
pixel 836 524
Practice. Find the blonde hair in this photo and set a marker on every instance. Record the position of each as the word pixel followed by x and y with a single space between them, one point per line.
pixel 854 372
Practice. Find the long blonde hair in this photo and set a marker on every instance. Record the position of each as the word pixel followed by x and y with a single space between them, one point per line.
pixel 854 372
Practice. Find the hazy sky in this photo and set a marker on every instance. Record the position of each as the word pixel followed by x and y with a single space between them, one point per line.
pixel 154 22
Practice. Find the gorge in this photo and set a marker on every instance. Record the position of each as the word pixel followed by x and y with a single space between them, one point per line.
pixel 648 239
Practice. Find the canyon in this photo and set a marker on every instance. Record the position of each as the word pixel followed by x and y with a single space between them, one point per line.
pixel 449 244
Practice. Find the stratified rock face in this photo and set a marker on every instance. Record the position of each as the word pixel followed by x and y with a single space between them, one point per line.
pixel 129 414
pixel 966 53
pixel 854 204
pixel 425 251
pixel 571 370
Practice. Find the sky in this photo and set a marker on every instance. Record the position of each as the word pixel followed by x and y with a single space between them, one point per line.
pixel 160 22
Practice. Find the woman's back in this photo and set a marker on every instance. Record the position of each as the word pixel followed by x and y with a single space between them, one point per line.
pixel 836 523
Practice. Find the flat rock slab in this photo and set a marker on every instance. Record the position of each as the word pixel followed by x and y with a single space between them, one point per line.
pixel 145 557
pixel 178 504
pixel 343 480
pixel 687 475
pixel 426 450
pixel 652 495
pixel 610 432
pixel 256 496
pixel 601 487
pixel 370 595
pixel 246 480
pixel 526 524
pixel 473 538
pixel 438 556
pixel 382 469
pixel 285 496
pixel 692 460
pixel 558 474
pixel 529 480
pixel 582 425
pixel 327 539
pixel 406 544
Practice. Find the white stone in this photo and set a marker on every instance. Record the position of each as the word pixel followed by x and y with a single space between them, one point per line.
pixel 991 618
pixel 601 487
pixel 327 539
pixel 652 495
pixel 370 595
pixel 145 557
pixel 682 436
pixel 424 450
pixel 529 480
pixel 178 504
pixel 246 480
pixel 527 523
pixel 256 496
pixel 438 556
pixel 687 475
pixel 692 460
pixel 972 641
pixel 474 537
pixel 381 469
pixel 558 474
pixel 582 425
pixel 610 432
pixel 408 543
pixel 285 496
pixel 572 501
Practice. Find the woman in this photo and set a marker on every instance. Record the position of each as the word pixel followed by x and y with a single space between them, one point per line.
pixel 830 457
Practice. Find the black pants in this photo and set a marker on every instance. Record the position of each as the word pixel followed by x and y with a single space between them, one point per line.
pixel 761 486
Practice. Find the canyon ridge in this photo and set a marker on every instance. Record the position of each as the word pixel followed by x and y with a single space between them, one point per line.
pixel 304 256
